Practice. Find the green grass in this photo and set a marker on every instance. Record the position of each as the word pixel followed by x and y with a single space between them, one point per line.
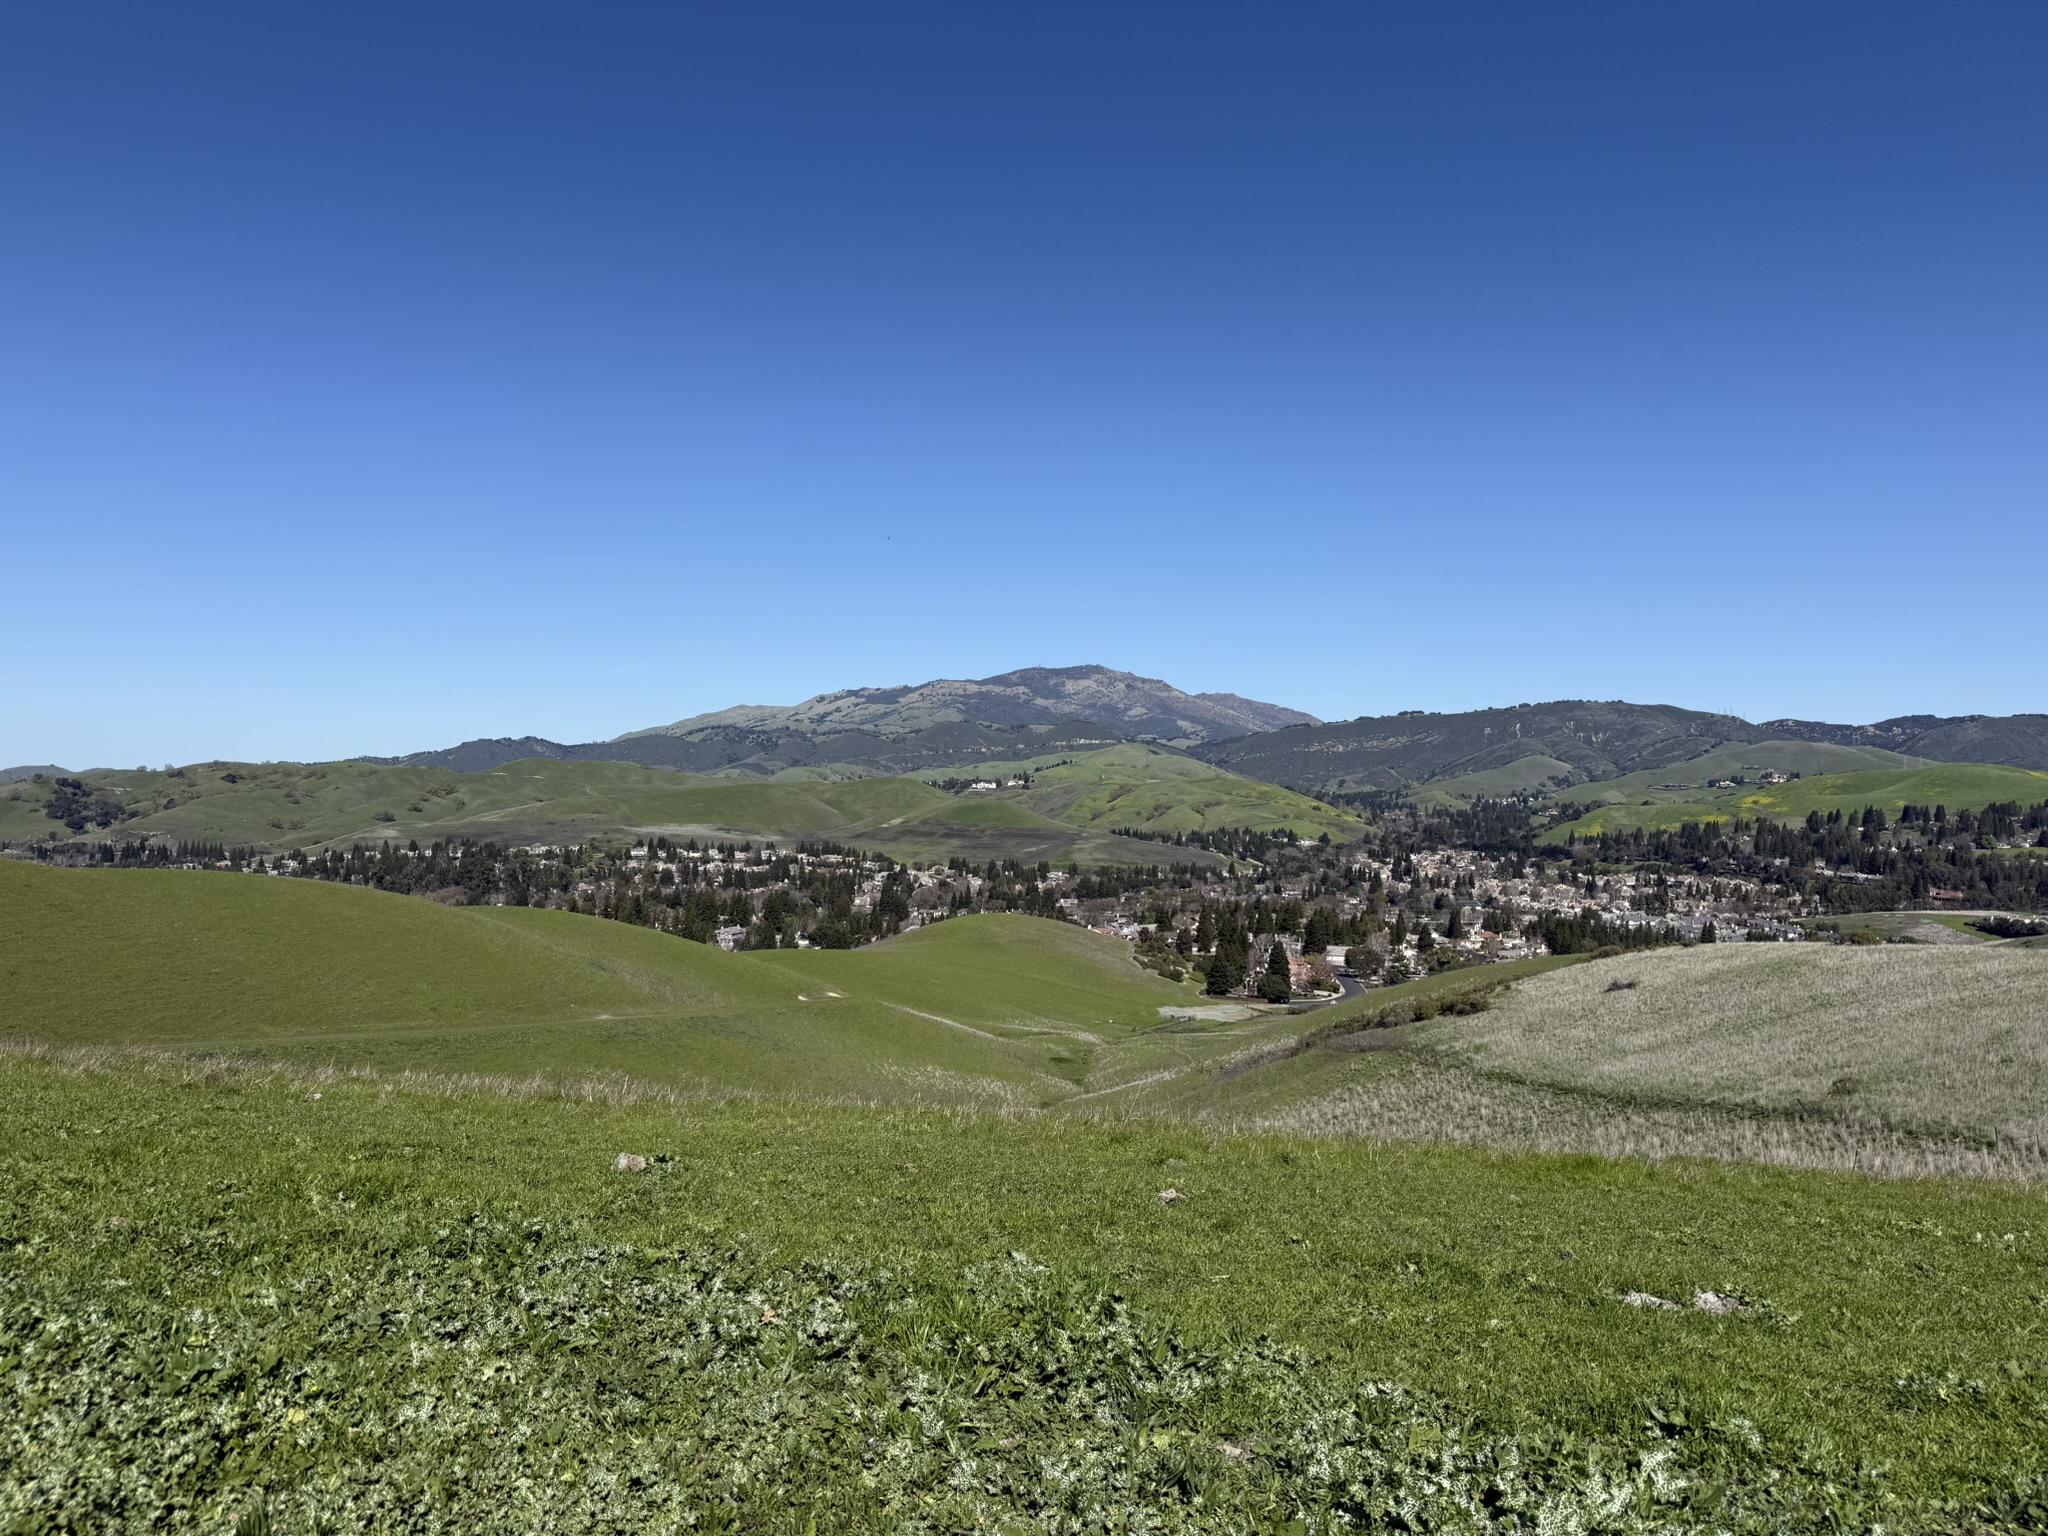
pixel 1677 784
pixel 293 805
pixel 977 1009
pixel 441 1310
pixel 1943 1040
pixel 1133 785
pixel 421 1299
pixel 1956 785
pixel 1535 774
pixel 1911 927
pixel 1686 780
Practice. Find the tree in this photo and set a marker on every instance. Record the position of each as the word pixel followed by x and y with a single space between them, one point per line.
pixel 80 805
pixel 1231 963
pixel 1276 986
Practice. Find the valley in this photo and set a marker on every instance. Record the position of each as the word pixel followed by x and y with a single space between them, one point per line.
pixel 1663 1114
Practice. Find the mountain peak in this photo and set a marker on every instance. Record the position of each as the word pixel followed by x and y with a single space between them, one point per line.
pixel 1141 708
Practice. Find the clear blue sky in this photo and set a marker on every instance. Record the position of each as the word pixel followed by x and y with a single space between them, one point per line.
pixel 373 377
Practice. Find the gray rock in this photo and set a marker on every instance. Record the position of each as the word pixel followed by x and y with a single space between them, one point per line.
pixel 1171 1197
pixel 630 1162
pixel 1645 1299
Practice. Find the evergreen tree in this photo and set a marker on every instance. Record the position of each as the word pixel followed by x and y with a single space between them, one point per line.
pixel 1275 986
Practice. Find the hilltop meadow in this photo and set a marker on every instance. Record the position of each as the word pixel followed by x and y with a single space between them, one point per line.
pixel 1069 813
pixel 1954 785
pixel 313 1220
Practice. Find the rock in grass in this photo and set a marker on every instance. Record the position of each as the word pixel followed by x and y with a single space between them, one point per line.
pixel 1171 1197
pixel 1645 1299
pixel 630 1162
pixel 1717 1302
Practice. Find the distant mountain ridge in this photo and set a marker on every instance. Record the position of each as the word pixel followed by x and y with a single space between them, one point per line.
pixel 1036 711
pixel 2018 741
pixel 1585 741
pixel 909 729
pixel 1140 708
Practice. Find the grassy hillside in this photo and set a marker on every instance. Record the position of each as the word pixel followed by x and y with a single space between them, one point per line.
pixel 1948 1039
pixel 1133 785
pixel 1533 775
pixel 401 1299
pixel 1748 761
pixel 293 805
pixel 1910 1056
pixel 347 1305
pixel 1905 1061
pixel 1672 783
pixel 1007 1009
pixel 1956 785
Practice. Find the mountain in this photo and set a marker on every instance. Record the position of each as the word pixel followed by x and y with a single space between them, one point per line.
pixel 762 753
pixel 2017 741
pixel 1038 711
pixel 909 729
pixel 1575 739
pixel 1136 708
pixel 1538 747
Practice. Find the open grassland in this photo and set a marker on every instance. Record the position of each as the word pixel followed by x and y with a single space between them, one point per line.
pixel 978 1009
pixel 308 1221
pixel 1683 783
pixel 402 1305
pixel 1924 1062
pixel 1909 927
pixel 1133 785
pixel 1750 761
pixel 1532 775
pixel 1405 1095
pixel 297 805
pixel 1945 1040
pixel 1955 785
pixel 1895 1060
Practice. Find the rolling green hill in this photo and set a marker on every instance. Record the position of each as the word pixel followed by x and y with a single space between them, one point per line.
pixel 1673 783
pixel 978 1009
pixel 1146 787
pixel 244 1298
pixel 265 1291
pixel 1956 785
pixel 286 1266
pixel 294 805
pixel 1942 1039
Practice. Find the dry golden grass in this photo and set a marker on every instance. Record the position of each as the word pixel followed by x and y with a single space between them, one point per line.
pixel 1425 1102
pixel 1901 1061
pixel 1939 1041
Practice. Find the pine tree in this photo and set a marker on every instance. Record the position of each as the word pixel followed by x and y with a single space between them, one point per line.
pixel 1276 985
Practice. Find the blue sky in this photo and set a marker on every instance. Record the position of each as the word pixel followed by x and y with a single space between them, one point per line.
pixel 375 377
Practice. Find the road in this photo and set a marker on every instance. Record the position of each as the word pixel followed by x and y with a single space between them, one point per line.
pixel 1352 986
